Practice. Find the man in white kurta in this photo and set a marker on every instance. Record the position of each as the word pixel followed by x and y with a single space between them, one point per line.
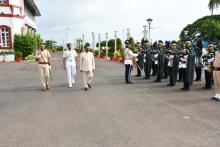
pixel 69 63
pixel 87 66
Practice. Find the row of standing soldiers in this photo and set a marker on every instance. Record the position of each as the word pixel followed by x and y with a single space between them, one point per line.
pixel 164 62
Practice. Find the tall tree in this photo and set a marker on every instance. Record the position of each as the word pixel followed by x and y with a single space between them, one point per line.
pixel 213 4
pixel 200 29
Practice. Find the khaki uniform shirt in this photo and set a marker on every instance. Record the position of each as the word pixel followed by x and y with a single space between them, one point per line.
pixel 216 62
pixel 43 56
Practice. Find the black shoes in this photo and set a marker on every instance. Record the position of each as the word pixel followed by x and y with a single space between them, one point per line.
pixel 207 88
pixel 185 89
pixel 197 80
pixel 158 81
pixel 215 99
pixel 129 82
pixel 86 89
pixel 89 86
pixel 138 76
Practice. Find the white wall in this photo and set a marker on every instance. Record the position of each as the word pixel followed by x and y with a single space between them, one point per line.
pixel 15 2
pixel 17 11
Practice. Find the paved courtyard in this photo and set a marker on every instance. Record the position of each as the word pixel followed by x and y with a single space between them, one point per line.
pixel 111 114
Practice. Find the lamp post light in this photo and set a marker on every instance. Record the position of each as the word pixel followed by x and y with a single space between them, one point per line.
pixel 79 43
pixel 149 20
pixel 115 40
pixel 186 35
pixel 63 44
pixel 128 34
pixel 67 29
pixel 99 44
pixel 83 41
pixel 123 39
pixel 145 32
pixel 106 46
pixel 93 41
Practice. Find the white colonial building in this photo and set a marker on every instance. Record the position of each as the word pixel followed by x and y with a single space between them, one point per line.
pixel 16 17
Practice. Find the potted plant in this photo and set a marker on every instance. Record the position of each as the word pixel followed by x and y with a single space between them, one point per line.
pixel 18 55
pixel 111 55
pixel 103 54
pixel 118 56
pixel 96 53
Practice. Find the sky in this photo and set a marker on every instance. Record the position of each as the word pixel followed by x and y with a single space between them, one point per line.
pixel 106 16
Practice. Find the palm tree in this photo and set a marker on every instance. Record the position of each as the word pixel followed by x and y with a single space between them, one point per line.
pixel 213 4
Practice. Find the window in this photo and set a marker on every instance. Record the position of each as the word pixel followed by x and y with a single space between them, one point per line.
pixel 3 1
pixel 5 38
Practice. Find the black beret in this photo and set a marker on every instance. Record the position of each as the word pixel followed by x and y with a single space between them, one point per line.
pixel 127 42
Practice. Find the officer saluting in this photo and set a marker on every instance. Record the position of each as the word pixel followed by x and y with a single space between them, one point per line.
pixel 207 61
pixel 129 55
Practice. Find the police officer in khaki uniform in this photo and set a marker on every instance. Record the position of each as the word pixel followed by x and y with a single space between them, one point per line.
pixel 216 74
pixel 43 58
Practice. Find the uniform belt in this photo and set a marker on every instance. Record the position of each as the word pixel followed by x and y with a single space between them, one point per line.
pixel 43 63
pixel 128 59
pixel 216 69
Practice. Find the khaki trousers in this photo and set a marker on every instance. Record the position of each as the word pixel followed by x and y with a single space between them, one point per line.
pixel 87 78
pixel 44 74
pixel 216 76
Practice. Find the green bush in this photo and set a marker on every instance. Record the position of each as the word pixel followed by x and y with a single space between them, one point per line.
pixel 118 54
pixel 26 44
pixel 30 58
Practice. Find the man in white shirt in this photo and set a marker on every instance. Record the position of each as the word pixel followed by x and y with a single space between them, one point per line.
pixel 43 59
pixel 129 55
pixel 69 63
pixel 87 66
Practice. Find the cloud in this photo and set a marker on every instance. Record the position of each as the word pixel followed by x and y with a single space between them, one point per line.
pixel 100 16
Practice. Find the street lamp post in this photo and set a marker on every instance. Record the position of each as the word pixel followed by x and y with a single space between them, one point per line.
pixel 128 34
pixel 145 32
pixel 123 39
pixel 186 34
pixel 67 29
pixel 93 41
pixel 149 20
pixel 63 44
pixel 99 44
pixel 106 46
pixel 116 41
pixel 83 41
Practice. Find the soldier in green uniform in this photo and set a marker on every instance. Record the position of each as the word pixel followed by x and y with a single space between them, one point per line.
pixel 173 64
pixel 188 62
pixel 139 59
pixel 147 60
pixel 166 60
pixel 159 61
pixel 207 61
